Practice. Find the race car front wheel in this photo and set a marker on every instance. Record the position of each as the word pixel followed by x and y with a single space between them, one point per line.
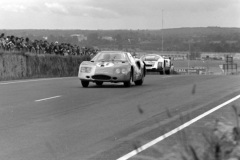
pixel 85 83
pixel 128 83
pixel 99 83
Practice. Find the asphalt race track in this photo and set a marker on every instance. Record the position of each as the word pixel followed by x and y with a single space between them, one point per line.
pixel 57 119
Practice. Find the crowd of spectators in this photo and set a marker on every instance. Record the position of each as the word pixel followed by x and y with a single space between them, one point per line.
pixel 13 43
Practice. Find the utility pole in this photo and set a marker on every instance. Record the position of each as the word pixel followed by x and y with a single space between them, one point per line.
pixel 162 30
pixel 189 47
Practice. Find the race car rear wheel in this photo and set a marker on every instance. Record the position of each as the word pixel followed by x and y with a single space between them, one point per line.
pixel 167 72
pixel 162 72
pixel 139 82
pixel 85 83
pixel 99 83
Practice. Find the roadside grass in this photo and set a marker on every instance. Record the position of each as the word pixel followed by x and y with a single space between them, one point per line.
pixel 21 65
pixel 219 140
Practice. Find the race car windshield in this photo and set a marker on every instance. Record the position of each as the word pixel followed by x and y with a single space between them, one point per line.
pixel 106 57
pixel 151 58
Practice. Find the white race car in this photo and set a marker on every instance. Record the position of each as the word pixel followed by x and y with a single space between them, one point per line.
pixel 154 63
pixel 158 63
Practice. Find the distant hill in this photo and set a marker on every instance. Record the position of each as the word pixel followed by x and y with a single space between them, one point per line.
pixel 214 39
pixel 200 31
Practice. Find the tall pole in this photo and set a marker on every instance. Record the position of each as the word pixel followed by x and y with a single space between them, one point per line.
pixel 189 47
pixel 162 30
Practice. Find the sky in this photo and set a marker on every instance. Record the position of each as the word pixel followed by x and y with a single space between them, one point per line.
pixel 118 14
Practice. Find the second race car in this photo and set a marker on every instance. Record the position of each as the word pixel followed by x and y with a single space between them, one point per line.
pixel 158 63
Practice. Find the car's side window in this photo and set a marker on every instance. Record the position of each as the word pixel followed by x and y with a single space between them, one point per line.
pixel 131 58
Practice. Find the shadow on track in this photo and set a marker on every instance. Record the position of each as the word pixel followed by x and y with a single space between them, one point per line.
pixel 110 85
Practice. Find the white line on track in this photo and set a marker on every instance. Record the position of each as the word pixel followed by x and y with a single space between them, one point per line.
pixel 44 99
pixel 33 80
pixel 155 141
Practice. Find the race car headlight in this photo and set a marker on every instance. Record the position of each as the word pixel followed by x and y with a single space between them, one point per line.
pixel 118 71
pixel 124 71
pixel 121 71
pixel 85 69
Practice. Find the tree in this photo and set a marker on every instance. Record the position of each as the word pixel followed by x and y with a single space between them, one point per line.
pixel 93 38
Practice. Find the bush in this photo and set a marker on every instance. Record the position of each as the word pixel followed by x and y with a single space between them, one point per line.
pixel 18 65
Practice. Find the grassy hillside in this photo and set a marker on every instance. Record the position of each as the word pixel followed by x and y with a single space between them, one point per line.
pixel 26 65
pixel 203 39
pixel 183 32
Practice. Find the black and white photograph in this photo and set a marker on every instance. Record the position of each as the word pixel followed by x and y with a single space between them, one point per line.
pixel 119 80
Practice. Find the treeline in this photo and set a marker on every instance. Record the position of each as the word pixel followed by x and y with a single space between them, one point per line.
pixel 202 39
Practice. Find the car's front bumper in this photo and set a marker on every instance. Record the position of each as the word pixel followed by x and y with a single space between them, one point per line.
pixel 153 66
pixel 106 74
pixel 154 69
pixel 104 77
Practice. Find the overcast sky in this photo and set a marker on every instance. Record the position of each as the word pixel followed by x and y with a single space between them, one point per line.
pixel 117 14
